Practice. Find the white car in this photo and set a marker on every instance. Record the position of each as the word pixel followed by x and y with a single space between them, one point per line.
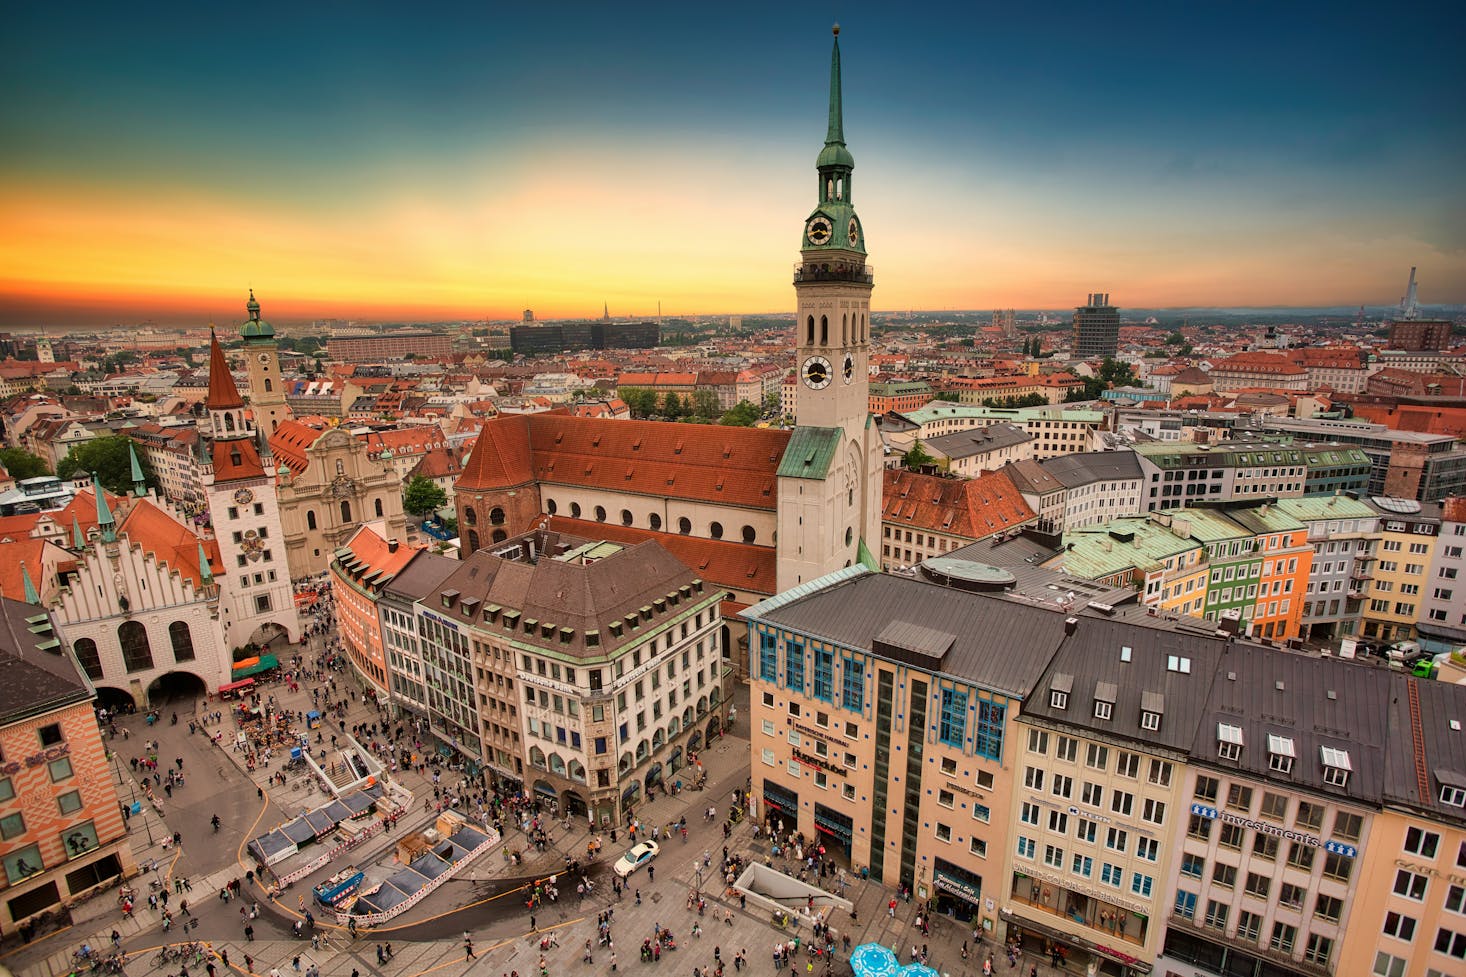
pixel 635 858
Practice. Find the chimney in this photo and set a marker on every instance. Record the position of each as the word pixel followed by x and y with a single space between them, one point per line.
pixel 1071 625
pixel 392 545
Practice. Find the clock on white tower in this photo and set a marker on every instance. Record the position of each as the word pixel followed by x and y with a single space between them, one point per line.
pixel 817 373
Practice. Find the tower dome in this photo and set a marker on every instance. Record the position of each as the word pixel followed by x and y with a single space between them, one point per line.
pixel 256 328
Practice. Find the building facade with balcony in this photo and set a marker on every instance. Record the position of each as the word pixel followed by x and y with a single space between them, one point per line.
pixel 1343 533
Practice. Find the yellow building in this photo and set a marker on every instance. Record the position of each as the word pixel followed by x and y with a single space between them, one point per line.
pixel 1402 559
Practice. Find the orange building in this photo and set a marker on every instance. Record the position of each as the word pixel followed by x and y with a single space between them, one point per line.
pixel 359 571
pixel 1287 560
pixel 62 835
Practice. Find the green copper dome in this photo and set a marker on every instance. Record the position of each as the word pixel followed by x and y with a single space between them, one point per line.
pixel 256 328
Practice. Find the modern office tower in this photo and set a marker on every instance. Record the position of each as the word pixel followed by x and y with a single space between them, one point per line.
pixel 1096 328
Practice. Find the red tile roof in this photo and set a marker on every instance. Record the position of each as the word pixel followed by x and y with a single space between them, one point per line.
pixel 223 394
pixel 500 456
pixel 289 442
pixel 235 460
pixel 738 566
pixel 971 508
pixel 170 541
pixel 1257 362
pixel 12 555
pixel 375 555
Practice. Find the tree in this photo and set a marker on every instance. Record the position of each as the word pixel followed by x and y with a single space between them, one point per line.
pixel 705 404
pixel 915 458
pixel 672 406
pixel 771 402
pixel 1175 339
pixel 641 401
pixel 742 414
pixel 423 496
pixel 949 396
pixel 1112 373
pixel 22 464
pixel 109 459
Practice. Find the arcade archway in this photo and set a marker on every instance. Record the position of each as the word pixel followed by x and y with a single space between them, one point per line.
pixel 175 688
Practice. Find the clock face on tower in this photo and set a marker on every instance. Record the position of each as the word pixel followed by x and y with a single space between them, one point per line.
pixel 854 232
pixel 244 496
pixel 819 230
pixel 817 374
pixel 848 370
pixel 264 357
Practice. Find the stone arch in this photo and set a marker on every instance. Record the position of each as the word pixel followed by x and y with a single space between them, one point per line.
pixel 674 726
pixel 470 517
pixel 715 726
pixel 537 757
pixel 496 516
pixel 575 770
pixel 179 683
pixel 643 750
pixel 624 764
pixel 715 696
pixel 499 536
pixel 659 740
pixel 702 706
pixel 557 764
pixel 687 716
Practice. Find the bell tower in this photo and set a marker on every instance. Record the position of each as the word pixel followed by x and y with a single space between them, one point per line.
pixel 266 392
pixel 830 477
pixel 832 285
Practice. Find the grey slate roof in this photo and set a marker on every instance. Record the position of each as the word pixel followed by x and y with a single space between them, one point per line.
pixel 1315 702
pixel 1439 705
pixel 979 441
pixel 1089 666
pixel 421 576
pixel 34 680
pixel 1028 475
pixel 1072 471
pixel 996 644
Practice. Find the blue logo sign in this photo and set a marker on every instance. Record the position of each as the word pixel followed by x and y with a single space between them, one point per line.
pixel 1204 811
pixel 1339 848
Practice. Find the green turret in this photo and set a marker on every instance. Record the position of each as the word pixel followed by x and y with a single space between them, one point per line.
pixel 31 597
pixel 105 522
pixel 256 328
pixel 139 484
pixel 833 225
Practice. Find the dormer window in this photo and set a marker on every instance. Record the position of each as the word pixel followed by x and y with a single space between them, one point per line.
pixel 1280 753
pixel 1104 700
pixel 1454 796
pixel 1229 741
pixel 1059 691
pixel 1152 707
pixel 1150 721
pixel 1336 766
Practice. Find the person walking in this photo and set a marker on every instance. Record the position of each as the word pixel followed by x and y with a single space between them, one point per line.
pixel 467 946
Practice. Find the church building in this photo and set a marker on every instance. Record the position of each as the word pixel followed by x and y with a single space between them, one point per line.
pixel 753 511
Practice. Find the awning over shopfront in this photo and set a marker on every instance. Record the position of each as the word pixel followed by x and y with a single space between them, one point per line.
pixel 236 686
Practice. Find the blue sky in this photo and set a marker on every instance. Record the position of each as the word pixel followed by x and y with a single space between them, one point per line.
pixel 360 157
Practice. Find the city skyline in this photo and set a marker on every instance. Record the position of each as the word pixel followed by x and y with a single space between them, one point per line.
pixel 360 166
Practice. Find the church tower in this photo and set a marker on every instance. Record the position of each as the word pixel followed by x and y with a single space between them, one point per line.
pixel 256 600
pixel 830 479
pixel 266 389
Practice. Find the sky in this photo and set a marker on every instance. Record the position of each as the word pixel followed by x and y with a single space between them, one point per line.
pixel 442 161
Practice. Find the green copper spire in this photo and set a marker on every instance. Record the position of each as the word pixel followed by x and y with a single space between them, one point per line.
pixel 31 597
pixel 139 487
pixel 105 522
pixel 78 538
pixel 837 121
pixel 835 153
pixel 206 572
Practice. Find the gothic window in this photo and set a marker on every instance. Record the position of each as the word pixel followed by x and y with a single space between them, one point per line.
pixel 749 534
pixel 824 330
pixel 839 189
pixel 844 328
pixel 228 422
pixel 809 340
pixel 684 525
pixel 715 530
pixel 472 540
pixel 469 516
pixel 496 516
pixel 182 639
pixel 829 189
pixel 268 385
pixel 377 505
pixel 345 512
pixel 137 654
pixel 500 536
pixel 85 650
pixel 310 519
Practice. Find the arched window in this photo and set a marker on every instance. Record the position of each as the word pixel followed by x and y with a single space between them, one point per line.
pixel 550 506
pixel 228 422
pixel 182 639
pixel 377 506
pixel 839 189
pixel 536 757
pixel 472 540
pixel 500 536
pixel 600 513
pixel 824 330
pixel 557 764
pixel 469 516
pixel 749 535
pixel 849 535
pixel 496 516
pixel 310 519
pixel 85 650
pixel 829 189
pixel 575 510
pixel 268 386
pixel 345 512
pixel 809 335
pixel 655 521
pixel 137 654
pixel 684 525
pixel 844 328
pixel 625 517
pixel 715 530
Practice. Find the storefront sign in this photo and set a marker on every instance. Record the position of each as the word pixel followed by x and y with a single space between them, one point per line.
pixel 36 759
pixel 956 886
pixel 1103 895
pixel 810 760
pixel 959 788
pixel 819 734
pixel 1432 871
pixel 1302 837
